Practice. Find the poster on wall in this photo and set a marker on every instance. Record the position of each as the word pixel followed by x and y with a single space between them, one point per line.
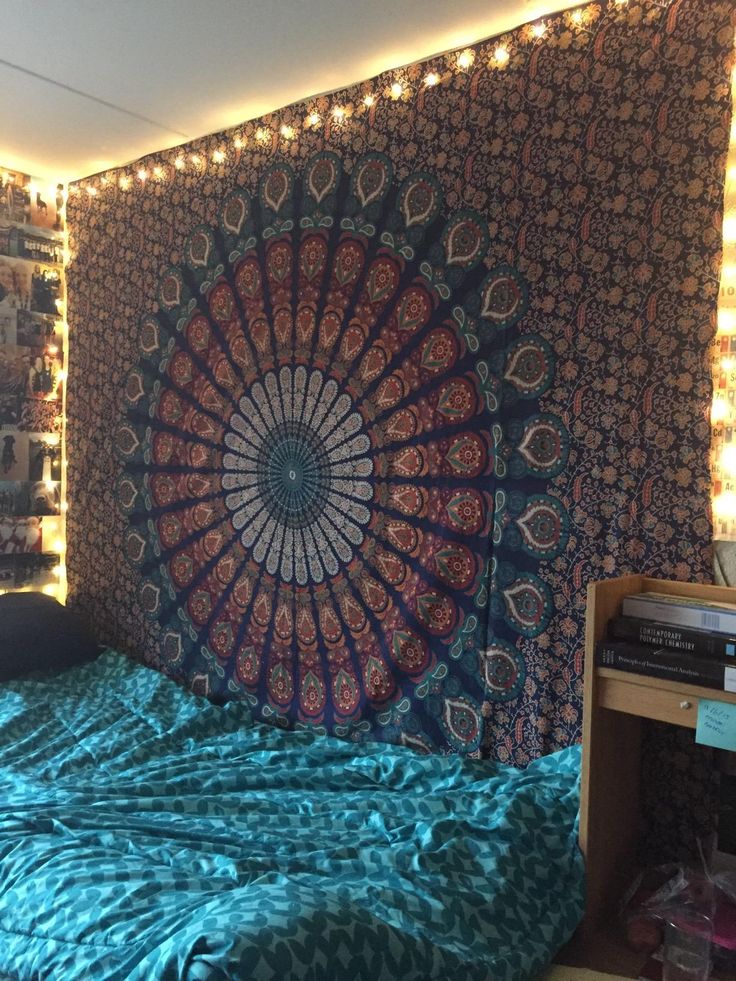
pixel 31 360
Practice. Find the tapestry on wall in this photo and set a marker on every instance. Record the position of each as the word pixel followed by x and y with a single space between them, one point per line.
pixel 358 407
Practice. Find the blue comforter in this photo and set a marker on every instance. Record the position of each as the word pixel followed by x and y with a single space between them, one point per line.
pixel 146 833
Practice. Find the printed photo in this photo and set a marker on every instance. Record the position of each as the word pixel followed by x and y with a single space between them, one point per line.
pixel 20 535
pixel 43 375
pixel 39 416
pixel 13 455
pixel 44 458
pixel 44 498
pixel 33 569
pixel 47 206
pixel 10 412
pixel 15 497
pixel 45 289
pixel 15 365
pixel 16 284
pixel 36 330
pixel 8 332
pixel 7 572
pixel 26 242
pixel 15 196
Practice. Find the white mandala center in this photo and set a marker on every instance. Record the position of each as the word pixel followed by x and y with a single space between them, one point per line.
pixel 297 471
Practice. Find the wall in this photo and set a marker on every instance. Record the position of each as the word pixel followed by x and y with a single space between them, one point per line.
pixel 32 336
pixel 584 159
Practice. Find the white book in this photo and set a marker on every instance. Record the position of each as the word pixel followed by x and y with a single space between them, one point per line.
pixel 682 611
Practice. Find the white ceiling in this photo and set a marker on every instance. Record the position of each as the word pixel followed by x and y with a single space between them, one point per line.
pixel 90 84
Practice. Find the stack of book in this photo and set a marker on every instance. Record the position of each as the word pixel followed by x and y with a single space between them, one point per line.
pixel 674 638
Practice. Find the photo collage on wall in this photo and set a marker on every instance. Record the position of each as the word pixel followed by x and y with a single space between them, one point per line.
pixel 31 379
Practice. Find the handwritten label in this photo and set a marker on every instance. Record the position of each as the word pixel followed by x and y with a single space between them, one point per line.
pixel 716 724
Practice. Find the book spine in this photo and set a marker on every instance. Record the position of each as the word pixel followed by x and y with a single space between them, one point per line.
pixel 679 615
pixel 682 639
pixel 660 663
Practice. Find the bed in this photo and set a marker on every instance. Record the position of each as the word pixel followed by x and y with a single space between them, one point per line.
pixel 148 833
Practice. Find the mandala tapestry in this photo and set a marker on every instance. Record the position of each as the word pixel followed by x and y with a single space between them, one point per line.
pixel 335 459
pixel 360 401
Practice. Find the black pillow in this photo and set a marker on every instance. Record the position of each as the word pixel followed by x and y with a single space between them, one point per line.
pixel 37 633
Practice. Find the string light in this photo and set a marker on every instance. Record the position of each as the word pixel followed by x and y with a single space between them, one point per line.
pixel 465 59
pixel 158 172
pixel 577 17
pixel 397 90
pixel 196 159
pixel 313 119
pixel 218 156
pixel 501 56
pixel 124 183
pixel 238 143
pixel 180 163
pixel 431 79
pixel 338 114
pixel 726 320
pixel 91 191
pixel 262 135
pixel 369 100
pixel 287 132
pixel 539 29
pixel 142 174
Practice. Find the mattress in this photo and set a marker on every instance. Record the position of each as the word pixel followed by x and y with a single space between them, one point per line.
pixel 148 833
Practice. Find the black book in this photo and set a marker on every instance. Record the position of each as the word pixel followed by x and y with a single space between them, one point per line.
pixel 660 662
pixel 686 640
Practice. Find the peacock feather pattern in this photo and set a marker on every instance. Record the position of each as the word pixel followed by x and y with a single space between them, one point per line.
pixel 334 459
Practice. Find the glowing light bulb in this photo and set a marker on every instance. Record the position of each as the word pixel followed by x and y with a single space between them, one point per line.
pixel 287 132
pixel 262 135
pixel 124 183
pixel 158 172
pixel 369 100
pixel 218 156
pixel 539 29
pixel 728 459
pixel 91 191
pixel 49 590
pixel 180 163
pixel 718 410
pixel 431 79
pixel 58 546
pixel 724 505
pixel 576 17
pixel 59 570
pixel 238 143
pixel 338 113
pixel 52 349
pixel 62 375
pixel 726 321
pixel 142 174
pixel 729 228
pixel 465 59
pixel 397 90
pixel 313 118
pixel 64 506
pixel 104 181
pixel 501 56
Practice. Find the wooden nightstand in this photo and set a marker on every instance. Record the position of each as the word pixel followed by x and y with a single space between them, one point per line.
pixel 615 703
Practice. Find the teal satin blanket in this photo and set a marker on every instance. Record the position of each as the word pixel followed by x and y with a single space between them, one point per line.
pixel 146 833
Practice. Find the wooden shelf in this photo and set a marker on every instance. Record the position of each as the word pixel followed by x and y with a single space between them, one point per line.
pixel 615 702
